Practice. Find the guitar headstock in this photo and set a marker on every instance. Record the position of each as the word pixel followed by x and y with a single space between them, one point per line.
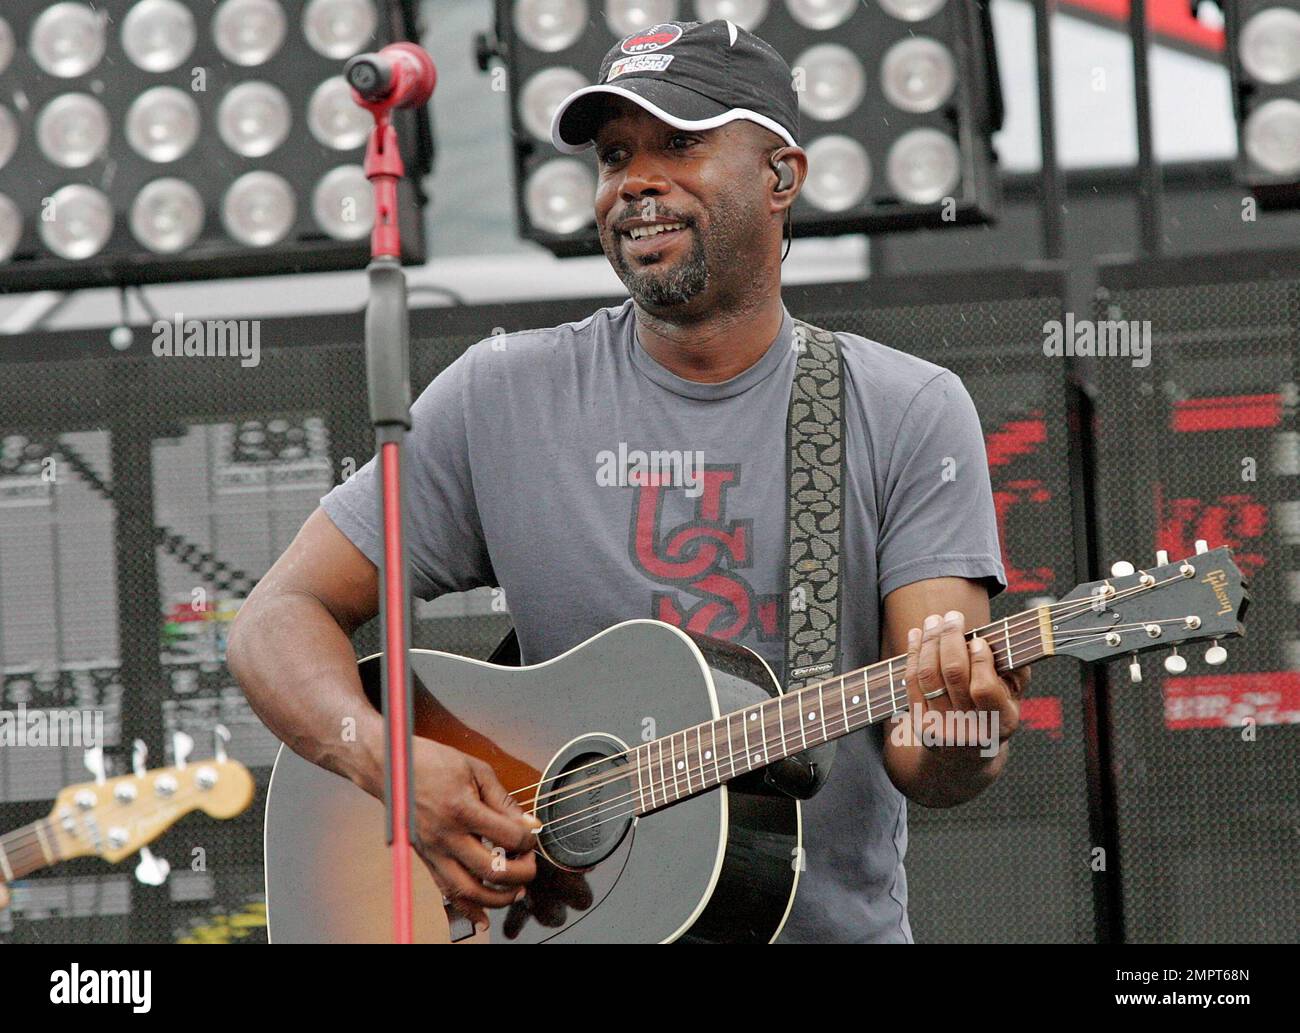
pixel 118 816
pixel 1200 598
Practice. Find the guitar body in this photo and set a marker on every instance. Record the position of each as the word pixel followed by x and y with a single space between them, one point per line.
pixel 721 866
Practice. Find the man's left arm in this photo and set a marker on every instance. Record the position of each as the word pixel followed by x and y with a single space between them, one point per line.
pixel 938 554
pixel 916 622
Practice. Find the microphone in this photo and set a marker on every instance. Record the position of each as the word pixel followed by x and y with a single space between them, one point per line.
pixel 401 75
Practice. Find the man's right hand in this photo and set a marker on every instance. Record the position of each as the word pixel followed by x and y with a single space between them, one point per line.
pixel 459 803
pixel 290 651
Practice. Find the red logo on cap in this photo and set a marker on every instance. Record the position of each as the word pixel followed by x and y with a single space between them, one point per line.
pixel 654 38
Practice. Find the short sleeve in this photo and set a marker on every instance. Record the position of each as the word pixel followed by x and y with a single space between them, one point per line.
pixel 938 518
pixel 444 533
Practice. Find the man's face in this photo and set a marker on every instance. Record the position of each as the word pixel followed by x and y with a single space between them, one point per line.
pixel 707 181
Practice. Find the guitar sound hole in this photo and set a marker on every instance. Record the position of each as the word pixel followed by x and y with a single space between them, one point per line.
pixel 586 801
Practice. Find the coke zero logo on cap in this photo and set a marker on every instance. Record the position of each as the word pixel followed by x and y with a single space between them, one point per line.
pixel 654 38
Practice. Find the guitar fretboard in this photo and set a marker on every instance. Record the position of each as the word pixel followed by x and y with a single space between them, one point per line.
pixel 710 754
pixel 25 850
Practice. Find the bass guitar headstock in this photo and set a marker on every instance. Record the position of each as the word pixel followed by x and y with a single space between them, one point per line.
pixel 114 817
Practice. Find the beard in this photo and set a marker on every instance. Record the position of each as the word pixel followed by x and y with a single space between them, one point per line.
pixel 656 284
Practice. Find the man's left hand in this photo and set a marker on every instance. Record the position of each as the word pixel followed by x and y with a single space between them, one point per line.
pixel 939 657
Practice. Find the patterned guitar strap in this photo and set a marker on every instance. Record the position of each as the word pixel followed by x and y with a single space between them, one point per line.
pixel 814 477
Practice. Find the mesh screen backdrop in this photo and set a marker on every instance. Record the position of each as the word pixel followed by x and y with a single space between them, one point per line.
pixel 1205 443
pixel 176 484
pixel 179 482
pixel 1033 823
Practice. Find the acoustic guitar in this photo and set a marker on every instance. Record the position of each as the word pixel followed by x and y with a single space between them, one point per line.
pixel 641 752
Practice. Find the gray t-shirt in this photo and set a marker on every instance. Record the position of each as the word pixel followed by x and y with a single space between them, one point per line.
pixel 592 485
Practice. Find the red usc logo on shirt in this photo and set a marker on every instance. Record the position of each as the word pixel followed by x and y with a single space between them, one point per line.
pixel 700 558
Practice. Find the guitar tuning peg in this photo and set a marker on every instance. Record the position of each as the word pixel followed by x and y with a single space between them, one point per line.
pixel 221 736
pixel 1135 670
pixel 139 754
pixel 1201 546
pixel 1121 568
pixel 1162 557
pixel 1174 663
pixel 1216 654
pixel 152 871
pixel 182 747
pixel 94 761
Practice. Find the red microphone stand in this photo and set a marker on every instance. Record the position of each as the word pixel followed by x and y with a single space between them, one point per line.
pixel 410 78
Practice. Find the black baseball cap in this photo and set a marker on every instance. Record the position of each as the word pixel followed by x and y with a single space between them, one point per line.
pixel 692 75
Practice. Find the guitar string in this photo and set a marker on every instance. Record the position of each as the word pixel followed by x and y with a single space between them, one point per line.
pixel 578 817
pixel 1025 619
pixel 674 780
pixel 20 839
pixel 1079 606
pixel 581 819
pixel 588 825
pixel 666 780
pixel 11 841
pixel 880 702
pixel 596 780
pixel 892 661
pixel 24 838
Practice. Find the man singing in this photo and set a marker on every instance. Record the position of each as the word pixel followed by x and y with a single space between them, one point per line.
pixel 695 128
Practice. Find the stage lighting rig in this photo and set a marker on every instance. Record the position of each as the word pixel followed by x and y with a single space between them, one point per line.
pixel 1263 46
pixel 145 141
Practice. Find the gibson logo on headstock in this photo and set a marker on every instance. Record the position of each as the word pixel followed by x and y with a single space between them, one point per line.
pixel 1218 582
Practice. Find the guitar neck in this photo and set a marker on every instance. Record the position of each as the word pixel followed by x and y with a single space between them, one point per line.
pixel 26 849
pixel 707 755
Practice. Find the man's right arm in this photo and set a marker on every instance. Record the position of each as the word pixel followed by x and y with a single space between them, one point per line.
pixel 290 650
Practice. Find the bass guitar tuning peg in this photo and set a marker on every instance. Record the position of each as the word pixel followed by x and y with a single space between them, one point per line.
pixel 1216 654
pixel 94 761
pixel 1121 568
pixel 152 871
pixel 221 736
pixel 1174 663
pixel 182 747
pixel 139 754
pixel 1135 670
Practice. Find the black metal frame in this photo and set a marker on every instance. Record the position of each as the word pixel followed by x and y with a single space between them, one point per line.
pixel 1213 267
pixel 1149 183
